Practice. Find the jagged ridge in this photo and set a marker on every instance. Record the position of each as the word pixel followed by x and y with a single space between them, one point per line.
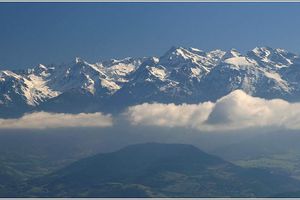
pixel 181 75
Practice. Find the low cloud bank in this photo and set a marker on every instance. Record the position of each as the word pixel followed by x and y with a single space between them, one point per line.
pixel 44 120
pixel 235 111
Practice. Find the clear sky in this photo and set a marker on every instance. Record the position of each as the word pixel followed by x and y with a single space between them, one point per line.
pixel 32 33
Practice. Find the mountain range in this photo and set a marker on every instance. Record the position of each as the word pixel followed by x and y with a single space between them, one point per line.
pixel 181 75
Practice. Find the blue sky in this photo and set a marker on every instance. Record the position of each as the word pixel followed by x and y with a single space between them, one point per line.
pixel 32 33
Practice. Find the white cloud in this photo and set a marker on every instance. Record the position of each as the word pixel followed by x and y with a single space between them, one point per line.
pixel 234 111
pixel 169 115
pixel 43 120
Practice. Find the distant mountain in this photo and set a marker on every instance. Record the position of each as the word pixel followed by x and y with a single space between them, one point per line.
pixel 181 75
pixel 156 170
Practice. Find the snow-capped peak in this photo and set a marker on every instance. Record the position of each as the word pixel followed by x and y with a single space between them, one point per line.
pixel 79 60
pixel 218 53
pixel 40 70
pixel 233 57
pixel 259 50
pixel 178 57
pixel 42 67
pixel 272 57
pixel 121 60
pixel 176 52
pixel 232 53
pixel 266 50
pixel 263 52
pixel 197 51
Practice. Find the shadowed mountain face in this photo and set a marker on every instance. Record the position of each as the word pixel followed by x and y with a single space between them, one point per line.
pixel 156 170
pixel 179 76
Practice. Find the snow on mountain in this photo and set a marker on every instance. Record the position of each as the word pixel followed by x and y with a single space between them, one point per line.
pixel 178 57
pixel 119 70
pixel 242 72
pixel 215 56
pixel 273 58
pixel 174 77
pixel 233 53
pixel 150 81
pixel 41 83
pixel 81 75
pixel 30 90
pixel 181 75
pixel 240 61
